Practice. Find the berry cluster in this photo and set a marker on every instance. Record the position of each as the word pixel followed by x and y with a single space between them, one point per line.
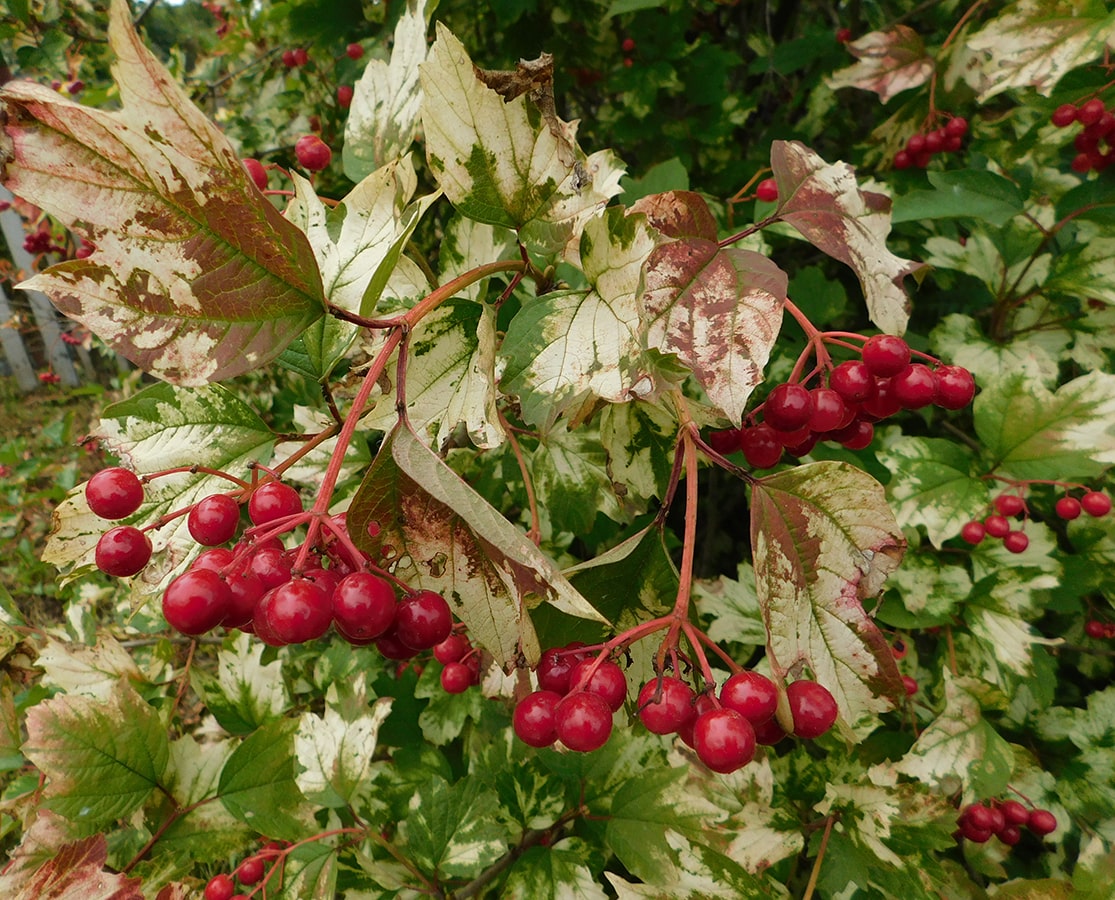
pixel 579 692
pixel 924 145
pixel 1099 129
pixel 1004 819
pixel 250 872
pixel 858 394
pixel 299 56
pixel 1099 630
pixel 1011 505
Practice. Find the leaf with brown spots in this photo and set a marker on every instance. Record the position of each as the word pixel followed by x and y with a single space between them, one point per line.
pixel 889 62
pixel 823 201
pixel 75 873
pixel 718 309
pixel 435 532
pixel 196 276
pixel 824 540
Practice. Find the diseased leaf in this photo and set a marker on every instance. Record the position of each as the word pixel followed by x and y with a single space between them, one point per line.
pixel 77 872
pixel 439 534
pixel 934 483
pixel 890 62
pixel 510 161
pixel 196 276
pixel 1034 43
pixel 386 100
pixel 824 202
pixel 1031 432
pixel 102 758
pixel 569 347
pixel 824 540
pixel 960 746
pixel 719 310
pixel 453 829
pixel 154 430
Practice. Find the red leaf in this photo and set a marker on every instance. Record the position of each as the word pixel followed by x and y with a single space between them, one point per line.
pixel 75 873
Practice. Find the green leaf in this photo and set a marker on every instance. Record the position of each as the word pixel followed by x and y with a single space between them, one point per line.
pixel 934 483
pixel 1030 432
pixel 959 339
pixel 619 7
pixel 571 479
pixel 1085 271
pixel 257 783
pixel 825 204
pixel 506 161
pixel 569 347
pixel 155 430
pixel 1092 200
pixel 445 537
pixel 469 244
pixel 960 745
pixel 733 606
pixel 890 62
pixel 452 830
pixel 1034 44
pixel 963 194
pixel 718 310
pixel 196 276
pixel 996 614
pixel 386 100
pixel 931 591
pixel 102 758
pixel 639 439
pixel 245 693
pixel 560 870
pixel 824 541
pixel 670 175
pixel 445 715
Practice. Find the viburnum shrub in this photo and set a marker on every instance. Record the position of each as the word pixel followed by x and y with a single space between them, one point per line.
pixel 491 521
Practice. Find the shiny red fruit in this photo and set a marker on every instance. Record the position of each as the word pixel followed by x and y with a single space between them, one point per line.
pixel 423 620
pixel 973 532
pixel 828 411
pixel 666 705
pixel 885 355
pixel 122 551
pixel 955 387
pixel 256 172
pixel 344 95
pixel 364 607
pixel 787 407
pixel 584 721
pixel 452 649
pixel 724 740
pixel 997 526
pixel 196 601
pixel 250 871
pixel 114 493
pixel 298 611
pixel 1064 115
pixel 312 152
pixel 608 681
pixel 1009 504
pixel 220 887
pixel 214 520
pixel 812 707
pixel 761 447
pixel 915 386
pixel 1016 541
pixel 1068 508
pixel 1096 504
pixel 751 694
pixel 1042 822
pixel 555 667
pixel 456 678
pixel 271 501
pixel 767 190
pixel 533 719
pixel 852 380
pixel 354 51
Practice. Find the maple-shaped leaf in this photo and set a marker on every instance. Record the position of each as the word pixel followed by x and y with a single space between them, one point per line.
pixel 824 540
pixel 571 347
pixel 92 671
pixel 437 533
pixel 890 62
pixel 1030 432
pixel 499 151
pixel 823 201
pixel 102 758
pixel 454 829
pixel 719 310
pixel 386 100
pixel 1034 43
pixel 196 276
pixel 76 872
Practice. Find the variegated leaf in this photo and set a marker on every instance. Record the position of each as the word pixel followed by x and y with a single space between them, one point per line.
pixel 824 202
pixel 890 62
pixel 196 276
pixel 76 872
pixel 824 540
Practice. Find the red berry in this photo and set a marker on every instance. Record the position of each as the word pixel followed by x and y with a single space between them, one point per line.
pixel 1009 835
pixel 456 678
pixel 934 142
pixel 1064 115
pixel 910 684
pixel 1096 504
pixel 668 711
pixel 452 649
pixel 827 410
pixel 1016 542
pixel 885 355
pixel 1042 822
pixel 220 887
pixel 997 526
pixel 271 501
pixel 1081 164
pixel 273 566
pixel 767 190
pixel 214 520
pixel 122 551
pixel 883 404
pixel 1009 504
pixel 312 152
pixel 196 601
pixel 751 694
pixel 1095 629
pixel 628 62
pixel 245 591
pixel 114 493
pixel 1090 112
pixel 290 62
pixel 761 447
pixel 957 126
pixel 344 95
pixel 915 386
pixel 724 740
pixel 584 721
pixel 216 558
pixel 533 719
pixel 787 407
pixel 555 667
pixel 354 51
pixel 812 707
pixel 857 436
pixel 769 733
pixel 973 532
pixel 250 871
pixel 364 607
pixel 423 620
pixel 978 816
pixel 1014 813
pixel 301 56
pixel 852 380
pixel 628 45
pixel 256 172
pixel 608 681
pixel 724 442
pixel 915 144
pixel 390 646
pixel 902 160
pixel 297 611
